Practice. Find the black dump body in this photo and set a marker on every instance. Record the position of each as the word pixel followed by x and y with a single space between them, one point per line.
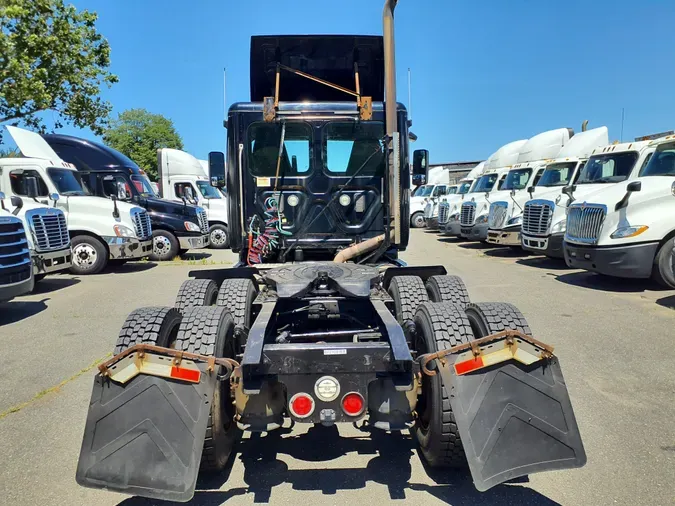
pixel 328 57
pixel 94 161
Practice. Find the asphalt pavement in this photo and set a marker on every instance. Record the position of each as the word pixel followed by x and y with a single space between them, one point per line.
pixel 615 340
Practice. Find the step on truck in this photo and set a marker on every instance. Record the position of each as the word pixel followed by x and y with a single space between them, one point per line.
pixel 182 176
pixel 16 266
pixel 100 230
pixel 320 322
pixel 627 229
pixel 176 228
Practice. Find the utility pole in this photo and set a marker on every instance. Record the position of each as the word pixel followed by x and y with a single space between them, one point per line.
pixel 622 118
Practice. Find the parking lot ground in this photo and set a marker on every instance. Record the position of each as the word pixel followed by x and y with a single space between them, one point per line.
pixel 614 339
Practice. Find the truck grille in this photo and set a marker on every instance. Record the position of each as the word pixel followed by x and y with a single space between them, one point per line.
pixel 497 215
pixel 49 229
pixel 537 217
pixel 142 225
pixel 468 214
pixel 584 222
pixel 443 212
pixel 15 261
pixel 203 220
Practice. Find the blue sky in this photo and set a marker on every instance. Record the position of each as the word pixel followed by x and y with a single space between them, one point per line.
pixel 484 72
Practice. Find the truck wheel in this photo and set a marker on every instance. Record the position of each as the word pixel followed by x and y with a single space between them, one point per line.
pixel 663 271
pixel 490 317
pixel 408 293
pixel 218 236
pixel 440 325
pixel 447 289
pixel 196 292
pixel 237 296
pixel 210 331
pixel 417 220
pixel 90 255
pixel 150 325
pixel 164 246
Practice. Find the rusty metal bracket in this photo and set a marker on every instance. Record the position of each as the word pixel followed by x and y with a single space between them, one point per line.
pixel 546 351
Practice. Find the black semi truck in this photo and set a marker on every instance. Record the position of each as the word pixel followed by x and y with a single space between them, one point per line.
pixel 176 227
pixel 321 322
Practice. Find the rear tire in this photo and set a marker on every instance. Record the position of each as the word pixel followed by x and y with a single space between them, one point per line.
pixel 218 237
pixel 210 331
pixel 237 296
pixel 664 265
pixel 89 255
pixel 149 325
pixel 490 317
pixel 196 292
pixel 417 220
pixel 447 289
pixel 440 326
pixel 408 293
pixel 164 246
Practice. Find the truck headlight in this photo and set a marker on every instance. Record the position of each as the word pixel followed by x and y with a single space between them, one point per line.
pixel 122 231
pixel 561 226
pixel 625 232
pixel 482 219
pixel 192 227
pixel 515 221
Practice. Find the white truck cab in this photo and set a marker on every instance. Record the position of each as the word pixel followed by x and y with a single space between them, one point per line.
pixel 449 206
pixel 99 229
pixel 16 269
pixel 418 201
pixel 506 208
pixel 181 175
pixel 627 229
pixel 431 208
pixel 473 213
pixel 537 235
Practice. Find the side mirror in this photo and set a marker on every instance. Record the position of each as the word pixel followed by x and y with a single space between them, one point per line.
pixel 116 211
pixel 530 189
pixel 32 189
pixel 17 203
pixel 217 169
pixel 569 190
pixel 420 162
pixel 54 197
pixel 635 186
pixel 513 193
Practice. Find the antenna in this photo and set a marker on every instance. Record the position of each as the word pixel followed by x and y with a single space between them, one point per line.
pixel 224 97
pixel 409 97
pixel 622 118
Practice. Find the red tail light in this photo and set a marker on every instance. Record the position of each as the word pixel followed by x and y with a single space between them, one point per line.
pixel 353 404
pixel 301 405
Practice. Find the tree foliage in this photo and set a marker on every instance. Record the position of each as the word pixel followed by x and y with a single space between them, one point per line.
pixel 52 59
pixel 138 134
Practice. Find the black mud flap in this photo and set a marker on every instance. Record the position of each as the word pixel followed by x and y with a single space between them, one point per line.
pixel 514 420
pixel 146 437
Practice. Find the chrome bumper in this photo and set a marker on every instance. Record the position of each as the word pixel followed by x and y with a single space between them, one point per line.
pixel 52 261
pixel 128 248
pixel 504 238
pixel 193 242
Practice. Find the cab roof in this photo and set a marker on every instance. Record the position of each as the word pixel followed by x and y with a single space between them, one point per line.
pixel 619 147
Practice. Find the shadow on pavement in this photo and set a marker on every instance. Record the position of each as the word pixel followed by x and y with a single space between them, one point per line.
pixel 668 302
pixel 196 256
pixel 555 264
pixel 477 245
pixel 515 252
pixel 609 284
pixel 390 466
pixel 451 239
pixel 15 310
pixel 128 267
pixel 51 284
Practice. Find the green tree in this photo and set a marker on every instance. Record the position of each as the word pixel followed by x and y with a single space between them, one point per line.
pixel 52 59
pixel 138 134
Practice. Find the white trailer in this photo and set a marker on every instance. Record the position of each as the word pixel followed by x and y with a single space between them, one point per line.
pixel 181 175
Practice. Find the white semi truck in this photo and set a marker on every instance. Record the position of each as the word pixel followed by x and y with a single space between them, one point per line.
pixel 536 233
pixel 16 269
pixel 423 194
pixel 627 229
pixel 607 165
pixel 100 229
pixel 451 202
pixel 474 210
pixel 506 209
pixel 181 175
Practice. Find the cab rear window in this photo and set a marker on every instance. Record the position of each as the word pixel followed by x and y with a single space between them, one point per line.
pixel 352 147
pixel 263 149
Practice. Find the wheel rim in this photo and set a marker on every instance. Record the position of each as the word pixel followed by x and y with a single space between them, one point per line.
pixel 161 245
pixel 419 221
pixel 218 237
pixel 84 256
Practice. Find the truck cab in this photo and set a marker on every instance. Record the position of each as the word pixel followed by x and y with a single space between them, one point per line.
pixel 473 214
pixel 627 229
pixel 506 208
pixel 419 200
pixel 16 269
pixel 538 235
pixel 176 227
pixel 431 208
pixel 100 230
pixel 181 175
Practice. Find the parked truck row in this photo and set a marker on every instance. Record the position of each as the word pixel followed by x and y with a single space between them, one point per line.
pixel 602 207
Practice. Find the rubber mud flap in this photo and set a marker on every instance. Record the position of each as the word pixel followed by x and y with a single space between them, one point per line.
pixel 514 420
pixel 145 438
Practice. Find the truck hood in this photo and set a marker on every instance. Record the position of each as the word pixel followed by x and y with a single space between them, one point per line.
pixel 652 187
pixel 165 206
pixel 84 210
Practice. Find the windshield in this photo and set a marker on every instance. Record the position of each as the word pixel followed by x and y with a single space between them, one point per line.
pixel 559 174
pixel 452 190
pixel 608 168
pixel 662 162
pixel 67 182
pixel 517 179
pixel 143 185
pixel 424 191
pixel 464 188
pixel 485 183
pixel 208 191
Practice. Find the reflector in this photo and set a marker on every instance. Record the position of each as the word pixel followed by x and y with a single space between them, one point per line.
pixel 353 404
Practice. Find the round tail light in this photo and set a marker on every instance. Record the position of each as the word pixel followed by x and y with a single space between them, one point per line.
pixel 353 404
pixel 301 405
